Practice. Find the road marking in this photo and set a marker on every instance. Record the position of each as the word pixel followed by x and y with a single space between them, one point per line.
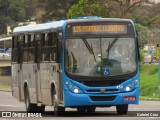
pixel 8 105
pixel 153 118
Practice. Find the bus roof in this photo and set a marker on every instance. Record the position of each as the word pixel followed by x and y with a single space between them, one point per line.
pixel 39 27
pixel 54 25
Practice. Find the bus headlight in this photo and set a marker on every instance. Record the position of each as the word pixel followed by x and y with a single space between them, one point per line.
pixel 76 90
pixel 131 86
pixel 128 88
pixel 73 88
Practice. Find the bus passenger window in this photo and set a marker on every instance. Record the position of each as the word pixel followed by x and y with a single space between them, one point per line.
pixel 38 36
pixel 46 39
pixel 15 38
pixel 32 40
pixel 29 40
pixel 14 49
pixel 31 49
pixel 45 53
pixel 20 46
pixel 50 38
pixel 38 54
pixel 45 48
pixel 26 41
pixel 53 43
pixel 52 53
pixel 25 50
pixel 43 40
pixel 20 39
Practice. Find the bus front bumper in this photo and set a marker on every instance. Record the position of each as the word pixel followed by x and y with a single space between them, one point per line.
pixel 73 100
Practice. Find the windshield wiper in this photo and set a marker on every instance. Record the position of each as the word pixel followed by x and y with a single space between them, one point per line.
pixel 110 45
pixel 90 48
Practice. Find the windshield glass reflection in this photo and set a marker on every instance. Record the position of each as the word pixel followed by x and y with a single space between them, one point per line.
pixel 97 57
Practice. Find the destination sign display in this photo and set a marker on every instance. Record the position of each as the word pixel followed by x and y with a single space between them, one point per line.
pixel 80 29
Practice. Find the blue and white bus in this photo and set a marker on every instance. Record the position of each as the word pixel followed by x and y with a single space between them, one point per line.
pixel 80 63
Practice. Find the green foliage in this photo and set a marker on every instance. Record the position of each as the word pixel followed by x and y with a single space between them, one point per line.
pixel 153 21
pixel 142 55
pixel 8 44
pixel 57 9
pixel 149 80
pixel 86 8
pixel 11 11
pixel 13 26
pixel 142 34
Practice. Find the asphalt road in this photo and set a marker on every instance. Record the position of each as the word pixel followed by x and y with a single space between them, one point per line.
pixel 144 111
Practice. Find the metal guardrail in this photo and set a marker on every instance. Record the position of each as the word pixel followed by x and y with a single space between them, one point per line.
pixel 7 58
pixel 5 61
pixel 5 70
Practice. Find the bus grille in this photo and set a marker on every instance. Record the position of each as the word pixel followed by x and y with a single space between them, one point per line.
pixel 105 91
pixel 102 98
pixel 102 83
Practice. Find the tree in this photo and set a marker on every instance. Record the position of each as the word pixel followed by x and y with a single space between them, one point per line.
pixel 86 8
pixel 104 8
pixel 142 34
pixel 57 9
pixel 122 8
pixel 35 9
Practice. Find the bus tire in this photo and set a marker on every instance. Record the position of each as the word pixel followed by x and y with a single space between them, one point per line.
pixel 81 109
pixel 122 109
pixel 58 110
pixel 29 107
pixel 40 109
pixel 91 109
pixel 32 107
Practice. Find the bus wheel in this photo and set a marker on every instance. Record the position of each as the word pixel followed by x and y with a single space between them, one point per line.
pixel 29 107
pixel 57 109
pixel 40 109
pixel 32 107
pixel 81 109
pixel 91 109
pixel 122 109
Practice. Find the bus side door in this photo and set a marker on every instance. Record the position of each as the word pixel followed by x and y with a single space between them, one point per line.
pixel 17 57
pixel 57 67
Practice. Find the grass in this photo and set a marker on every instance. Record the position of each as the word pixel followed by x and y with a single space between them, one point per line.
pixel 5 88
pixel 149 82
pixel 5 83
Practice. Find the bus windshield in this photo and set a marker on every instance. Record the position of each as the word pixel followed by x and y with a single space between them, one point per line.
pixel 100 57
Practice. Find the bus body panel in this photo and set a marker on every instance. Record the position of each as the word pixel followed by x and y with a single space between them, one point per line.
pixel 16 81
pixel 46 80
pixel 49 75
pixel 29 76
pixel 73 100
